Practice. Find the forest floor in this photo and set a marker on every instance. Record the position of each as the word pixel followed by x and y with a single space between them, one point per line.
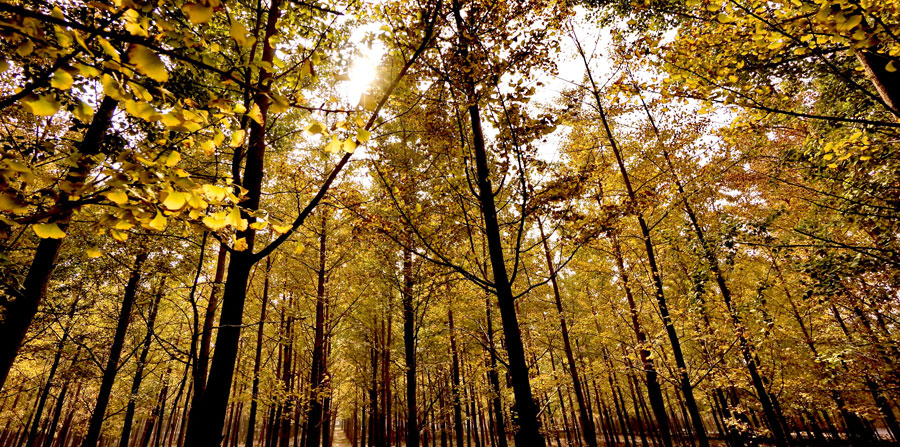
pixel 340 438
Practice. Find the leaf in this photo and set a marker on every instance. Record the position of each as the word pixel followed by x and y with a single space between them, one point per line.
pixel 259 224
pixel 43 105
pixel 334 146
pixel 281 229
pixel 117 197
pixel 208 147
pixel 240 34
pixel 237 138
pixel 172 159
pixel 93 253
pixel 25 48
pixel 255 114
pixel 148 63
pixel 48 231
pixel 240 244
pixel 158 223
pixel 108 49
pixel 83 112
pixel 9 204
pixel 174 201
pixel 215 222
pixel 62 80
pixel 349 146
pixel 198 13
pixel 213 193
pixel 363 135
pixel 119 236
pixel 315 128
pixel 891 67
pixel 234 219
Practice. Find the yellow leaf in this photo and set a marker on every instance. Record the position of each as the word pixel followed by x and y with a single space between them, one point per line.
pixel 349 146
pixel 259 224
pixel 215 222
pixel 108 49
pixel 237 138
pixel 333 146
pixel 93 253
pixel 299 249
pixel 48 231
pixel 255 114
pixel 25 48
pixel 239 108
pixel 315 128
pixel 148 63
pixel 198 13
pixel 363 135
pixel 234 219
pixel 83 112
pixel 215 194
pixel 240 244
pixel 174 201
pixel 208 147
pixel 117 197
pixel 9 204
pixel 119 236
pixel 281 229
pixel 62 80
pixel 173 158
pixel 158 223
pixel 240 34
pixel 890 67
pixel 41 105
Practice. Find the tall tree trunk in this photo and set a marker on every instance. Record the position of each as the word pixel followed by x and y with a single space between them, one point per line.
pixel 587 422
pixel 316 377
pixel 409 345
pixel 19 313
pixel 526 414
pixel 201 362
pixel 142 362
pixel 115 352
pixel 455 386
pixel 205 427
pixel 493 377
pixel 33 432
pixel 251 424
pixel 683 378
pixel 654 390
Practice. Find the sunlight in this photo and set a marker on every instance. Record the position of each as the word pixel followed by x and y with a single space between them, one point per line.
pixel 364 69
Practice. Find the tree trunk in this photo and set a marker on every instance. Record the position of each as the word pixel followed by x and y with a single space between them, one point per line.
pixel 683 378
pixel 317 370
pixel 529 433
pixel 587 422
pixel 205 427
pixel 142 361
pixel 19 313
pixel 251 424
pixel 115 352
pixel 409 345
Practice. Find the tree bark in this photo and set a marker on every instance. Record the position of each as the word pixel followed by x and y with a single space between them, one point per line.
pixel 19 313
pixel 92 437
pixel 409 345
pixel 142 362
pixel 587 423
pixel 205 427
pixel 251 424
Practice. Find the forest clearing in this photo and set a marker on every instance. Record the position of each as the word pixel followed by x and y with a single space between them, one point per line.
pixel 449 223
